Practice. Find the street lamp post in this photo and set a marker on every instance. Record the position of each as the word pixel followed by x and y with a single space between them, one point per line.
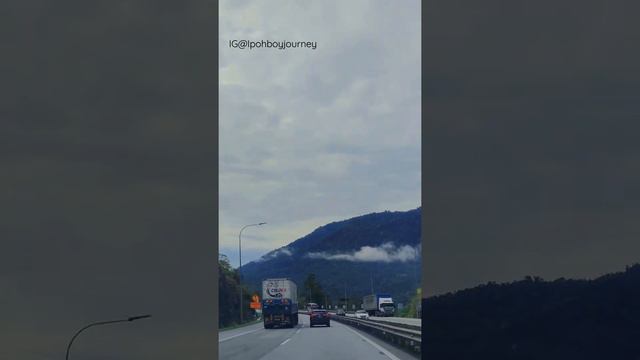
pixel 132 318
pixel 240 261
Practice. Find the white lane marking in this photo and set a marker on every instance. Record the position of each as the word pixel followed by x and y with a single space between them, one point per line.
pixel 286 341
pixel 298 330
pixel 236 335
pixel 380 348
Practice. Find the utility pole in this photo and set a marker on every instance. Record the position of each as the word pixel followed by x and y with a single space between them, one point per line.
pixel 346 301
pixel 415 267
pixel 371 277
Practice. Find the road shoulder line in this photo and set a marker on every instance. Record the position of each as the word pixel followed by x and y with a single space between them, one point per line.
pixel 380 348
pixel 236 335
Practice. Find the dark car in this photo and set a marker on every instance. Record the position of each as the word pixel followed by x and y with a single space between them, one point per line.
pixel 319 317
pixel 340 312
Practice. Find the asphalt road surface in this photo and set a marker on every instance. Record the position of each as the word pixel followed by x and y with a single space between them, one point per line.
pixel 338 342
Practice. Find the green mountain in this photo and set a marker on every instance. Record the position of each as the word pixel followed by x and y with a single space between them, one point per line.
pixel 379 250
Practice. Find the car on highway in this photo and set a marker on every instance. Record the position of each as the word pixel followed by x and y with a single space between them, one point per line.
pixel 319 317
pixel 340 312
pixel 361 314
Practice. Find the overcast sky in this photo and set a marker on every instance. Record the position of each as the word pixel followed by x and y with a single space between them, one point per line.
pixel 313 136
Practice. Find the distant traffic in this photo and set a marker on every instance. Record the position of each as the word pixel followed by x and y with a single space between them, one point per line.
pixel 378 305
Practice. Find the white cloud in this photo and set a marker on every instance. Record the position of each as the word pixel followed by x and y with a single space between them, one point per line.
pixel 276 253
pixel 386 252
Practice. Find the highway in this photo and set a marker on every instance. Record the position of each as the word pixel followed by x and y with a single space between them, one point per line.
pixel 338 342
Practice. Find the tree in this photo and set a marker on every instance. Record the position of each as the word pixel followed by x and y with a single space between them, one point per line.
pixel 229 295
pixel 312 290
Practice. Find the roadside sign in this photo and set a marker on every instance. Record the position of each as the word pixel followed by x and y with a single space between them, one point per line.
pixel 255 302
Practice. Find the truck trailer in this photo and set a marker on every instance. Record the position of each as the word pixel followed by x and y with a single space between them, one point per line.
pixel 279 303
pixel 378 305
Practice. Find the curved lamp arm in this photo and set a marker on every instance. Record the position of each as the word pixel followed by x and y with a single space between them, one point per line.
pixel 101 323
pixel 240 262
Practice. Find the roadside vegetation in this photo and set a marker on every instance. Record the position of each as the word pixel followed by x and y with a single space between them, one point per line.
pixel 311 292
pixel 411 310
pixel 229 297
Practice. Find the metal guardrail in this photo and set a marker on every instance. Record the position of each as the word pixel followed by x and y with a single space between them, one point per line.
pixel 398 324
pixel 404 337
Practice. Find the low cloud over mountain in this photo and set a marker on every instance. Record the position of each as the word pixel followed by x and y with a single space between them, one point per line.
pixel 274 254
pixel 387 252
pixel 350 254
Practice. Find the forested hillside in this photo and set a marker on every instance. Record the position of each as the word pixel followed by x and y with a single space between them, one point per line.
pixel 379 251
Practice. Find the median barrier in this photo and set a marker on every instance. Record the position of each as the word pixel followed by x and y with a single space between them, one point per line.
pixel 407 338
pixel 399 324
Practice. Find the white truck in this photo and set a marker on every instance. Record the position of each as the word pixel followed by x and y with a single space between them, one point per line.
pixel 279 303
pixel 378 305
